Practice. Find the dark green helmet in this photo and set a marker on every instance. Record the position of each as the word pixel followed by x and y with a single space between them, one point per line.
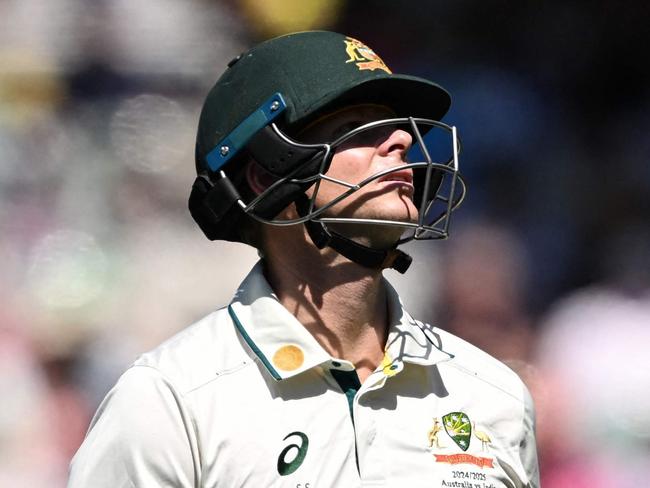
pixel 268 93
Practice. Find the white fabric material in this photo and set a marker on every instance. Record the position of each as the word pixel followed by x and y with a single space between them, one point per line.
pixel 213 407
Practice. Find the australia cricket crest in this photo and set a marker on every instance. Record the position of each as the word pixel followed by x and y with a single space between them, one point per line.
pixel 459 428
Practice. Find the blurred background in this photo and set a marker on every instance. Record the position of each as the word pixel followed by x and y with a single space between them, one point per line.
pixel 548 267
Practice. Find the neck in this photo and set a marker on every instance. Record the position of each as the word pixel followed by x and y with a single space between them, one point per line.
pixel 342 304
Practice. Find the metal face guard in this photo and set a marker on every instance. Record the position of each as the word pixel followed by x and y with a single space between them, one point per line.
pixel 433 158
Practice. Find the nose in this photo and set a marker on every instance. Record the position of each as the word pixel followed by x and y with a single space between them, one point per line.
pixel 397 141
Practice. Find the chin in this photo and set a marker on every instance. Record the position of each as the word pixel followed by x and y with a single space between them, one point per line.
pixel 398 209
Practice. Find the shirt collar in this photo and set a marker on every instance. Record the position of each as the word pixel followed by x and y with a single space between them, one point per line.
pixel 409 340
pixel 286 348
pixel 281 343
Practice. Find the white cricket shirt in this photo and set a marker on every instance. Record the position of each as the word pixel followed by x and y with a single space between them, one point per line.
pixel 247 397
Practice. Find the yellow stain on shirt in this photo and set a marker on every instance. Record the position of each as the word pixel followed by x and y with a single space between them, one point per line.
pixel 288 358
pixel 387 365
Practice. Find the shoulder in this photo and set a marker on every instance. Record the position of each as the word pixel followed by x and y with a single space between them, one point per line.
pixel 476 365
pixel 142 417
pixel 198 354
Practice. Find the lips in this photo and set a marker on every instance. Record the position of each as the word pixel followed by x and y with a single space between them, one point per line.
pixel 403 176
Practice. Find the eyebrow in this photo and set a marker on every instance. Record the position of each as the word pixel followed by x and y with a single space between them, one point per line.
pixel 346 127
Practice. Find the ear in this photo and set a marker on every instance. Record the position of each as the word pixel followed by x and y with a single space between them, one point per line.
pixel 258 178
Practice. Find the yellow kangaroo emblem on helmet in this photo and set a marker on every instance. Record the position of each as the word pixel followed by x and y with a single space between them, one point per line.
pixel 363 56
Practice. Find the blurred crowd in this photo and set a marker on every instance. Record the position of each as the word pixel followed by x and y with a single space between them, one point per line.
pixel 548 267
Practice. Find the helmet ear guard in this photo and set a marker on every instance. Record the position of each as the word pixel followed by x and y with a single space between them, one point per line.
pixel 281 158
pixel 212 204
pixel 216 204
pixel 276 154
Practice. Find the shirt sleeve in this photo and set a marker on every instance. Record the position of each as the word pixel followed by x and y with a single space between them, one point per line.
pixel 141 436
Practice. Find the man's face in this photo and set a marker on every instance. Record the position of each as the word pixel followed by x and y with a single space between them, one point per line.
pixel 389 197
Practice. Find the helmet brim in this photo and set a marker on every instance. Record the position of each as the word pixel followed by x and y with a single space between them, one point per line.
pixel 407 96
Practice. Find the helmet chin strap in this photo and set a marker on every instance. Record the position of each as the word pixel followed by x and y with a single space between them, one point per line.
pixel 366 256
